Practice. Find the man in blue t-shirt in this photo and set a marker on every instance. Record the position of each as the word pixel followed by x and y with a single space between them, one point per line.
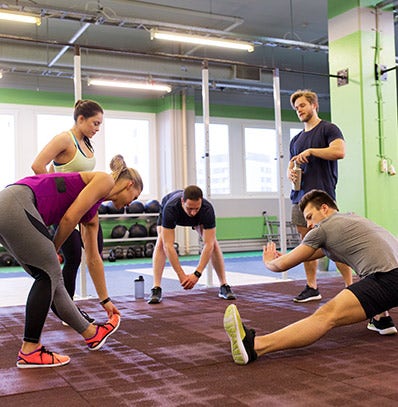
pixel 316 150
pixel 187 208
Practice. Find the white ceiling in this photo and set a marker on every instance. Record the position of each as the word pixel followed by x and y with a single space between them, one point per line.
pixel 288 34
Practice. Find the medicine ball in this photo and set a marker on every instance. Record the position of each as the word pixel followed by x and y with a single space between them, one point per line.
pixel 119 232
pixel 153 231
pixel 130 254
pixel 138 230
pixel 135 207
pixel 149 248
pixel 112 210
pixel 152 206
pixel 103 209
pixel 177 248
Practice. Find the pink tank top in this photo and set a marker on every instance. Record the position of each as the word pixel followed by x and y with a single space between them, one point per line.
pixel 55 193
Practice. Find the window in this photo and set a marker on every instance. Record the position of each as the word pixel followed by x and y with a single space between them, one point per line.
pixel 49 125
pixel 260 159
pixel 7 154
pixel 294 132
pixel 131 139
pixel 219 158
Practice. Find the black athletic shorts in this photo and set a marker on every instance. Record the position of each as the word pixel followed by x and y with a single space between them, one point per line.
pixel 377 292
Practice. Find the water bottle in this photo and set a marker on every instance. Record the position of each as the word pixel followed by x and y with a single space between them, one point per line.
pixel 139 287
pixel 296 185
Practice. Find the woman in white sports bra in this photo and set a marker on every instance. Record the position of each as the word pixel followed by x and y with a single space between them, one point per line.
pixel 72 151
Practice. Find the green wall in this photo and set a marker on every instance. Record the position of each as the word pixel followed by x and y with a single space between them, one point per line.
pixel 371 133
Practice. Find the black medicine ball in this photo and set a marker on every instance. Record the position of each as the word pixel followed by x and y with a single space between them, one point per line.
pixel 103 209
pixel 112 210
pixel 152 206
pixel 119 232
pixel 153 231
pixel 138 230
pixel 135 207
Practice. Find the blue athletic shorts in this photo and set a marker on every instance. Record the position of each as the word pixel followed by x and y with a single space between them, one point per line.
pixel 377 292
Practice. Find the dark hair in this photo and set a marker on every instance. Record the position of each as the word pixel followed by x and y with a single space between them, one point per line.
pixel 86 108
pixel 317 198
pixel 121 171
pixel 192 192
pixel 311 96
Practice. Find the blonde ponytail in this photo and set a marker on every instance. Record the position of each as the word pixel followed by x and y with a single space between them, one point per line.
pixel 121 171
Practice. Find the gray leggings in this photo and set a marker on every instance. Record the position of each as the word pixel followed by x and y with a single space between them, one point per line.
pixel 25 236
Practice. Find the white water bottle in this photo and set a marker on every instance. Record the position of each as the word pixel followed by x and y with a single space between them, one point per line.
pixel 139 287
pixel 296 185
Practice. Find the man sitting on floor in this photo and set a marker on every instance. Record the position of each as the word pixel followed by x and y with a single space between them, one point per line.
pixel 368 248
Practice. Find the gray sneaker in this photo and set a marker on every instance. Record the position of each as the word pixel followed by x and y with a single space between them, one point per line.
pixel 226 293
pixel 308 294
pixel 155 296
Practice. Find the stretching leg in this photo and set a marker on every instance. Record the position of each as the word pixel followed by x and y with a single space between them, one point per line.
pixel 344 309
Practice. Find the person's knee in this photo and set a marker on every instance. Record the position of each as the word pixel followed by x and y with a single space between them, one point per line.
pixel 326 315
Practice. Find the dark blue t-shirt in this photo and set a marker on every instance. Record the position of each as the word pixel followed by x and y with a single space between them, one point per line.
pixel 173 214
pixel 317 173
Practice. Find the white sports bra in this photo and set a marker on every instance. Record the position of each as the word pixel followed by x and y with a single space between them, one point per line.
pixel 79 162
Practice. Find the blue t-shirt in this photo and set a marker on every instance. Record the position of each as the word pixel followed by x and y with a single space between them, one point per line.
pixel 173 214
pixel 317 173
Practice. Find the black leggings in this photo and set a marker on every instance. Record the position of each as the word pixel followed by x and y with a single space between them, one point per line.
pixel 72 252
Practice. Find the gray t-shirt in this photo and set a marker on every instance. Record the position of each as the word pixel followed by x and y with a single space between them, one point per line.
pixel 351 239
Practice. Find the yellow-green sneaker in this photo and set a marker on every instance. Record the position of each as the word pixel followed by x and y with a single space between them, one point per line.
pixel 241 338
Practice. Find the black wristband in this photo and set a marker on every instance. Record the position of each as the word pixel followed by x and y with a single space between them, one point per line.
pixel 103 302
pixel 197 274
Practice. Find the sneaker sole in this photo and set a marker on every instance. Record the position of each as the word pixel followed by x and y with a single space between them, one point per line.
pixel 154 301
pixel 387 331
pixel 234 329
pixel 226 298
pixel 35 366
pixel 315 298
pixel 100 344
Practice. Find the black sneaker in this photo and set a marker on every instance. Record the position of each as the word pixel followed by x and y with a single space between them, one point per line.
pixel 226 293
pixel 308 294
pixel 384 326
pixel 241 338
pixel 156 295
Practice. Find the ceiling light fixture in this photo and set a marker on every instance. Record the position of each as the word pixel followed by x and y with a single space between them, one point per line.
pixel 201 40
pixel 20 17
pixel 130 85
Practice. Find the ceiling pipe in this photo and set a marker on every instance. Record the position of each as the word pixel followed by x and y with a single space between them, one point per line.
pixel 143 24
pixel 71 41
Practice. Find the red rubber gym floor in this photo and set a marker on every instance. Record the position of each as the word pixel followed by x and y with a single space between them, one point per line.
pixel 176 354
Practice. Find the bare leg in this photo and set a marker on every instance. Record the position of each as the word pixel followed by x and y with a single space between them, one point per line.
pixel 310 267
pixel 344 309
pixel 346 273
pixel 217 260
pixel 158 260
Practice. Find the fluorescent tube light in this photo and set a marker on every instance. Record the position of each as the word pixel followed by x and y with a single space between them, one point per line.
pixel 130 85
pixel 201 40
pixel 20 17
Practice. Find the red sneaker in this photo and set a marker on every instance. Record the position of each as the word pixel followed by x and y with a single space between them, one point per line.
pixel 102 333
pixel 41 357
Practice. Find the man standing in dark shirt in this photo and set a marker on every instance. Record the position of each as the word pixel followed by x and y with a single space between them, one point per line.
pixel 187 208
pixel 315 150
